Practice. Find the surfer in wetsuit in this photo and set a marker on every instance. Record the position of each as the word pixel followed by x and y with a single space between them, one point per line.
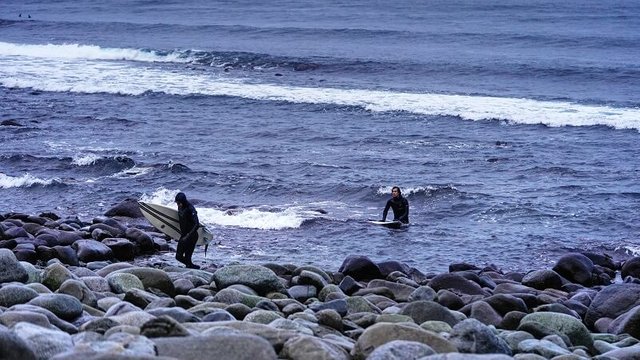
pixel 399 205
pixel 189 223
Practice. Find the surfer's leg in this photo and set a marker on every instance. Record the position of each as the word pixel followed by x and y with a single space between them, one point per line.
pixel 180 252
pixel 190 246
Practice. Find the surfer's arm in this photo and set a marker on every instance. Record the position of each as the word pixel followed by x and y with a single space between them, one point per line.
pixel 194 218
pixel 405 215
pixel 386 210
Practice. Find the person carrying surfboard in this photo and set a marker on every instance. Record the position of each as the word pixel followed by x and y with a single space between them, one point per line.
pixel 189 223
pixel 399 205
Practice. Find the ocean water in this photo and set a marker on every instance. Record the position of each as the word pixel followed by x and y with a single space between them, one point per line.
pixel 511 127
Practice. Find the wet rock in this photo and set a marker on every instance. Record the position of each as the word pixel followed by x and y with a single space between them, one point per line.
pixel 471 336
pixel 576 268
pixel 121 248
pixel 163 326
pixel 15 294
pixel 401 350
pixel 64 306
pixel 257 277
pixel 152 279
pixel 127 208
pixel 421 311
pixel 44 342
pixel 613 301
pixel 309 347
pixel 543 279
pixel 382 333
pixel 92 250
pixel 457 283
pixel 567 325
pixel 10 268
pixel 219 346
pixel 120 282
pixel 361 268
pixel 14 347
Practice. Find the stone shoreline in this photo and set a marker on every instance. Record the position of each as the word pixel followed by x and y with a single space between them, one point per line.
pixel 75 290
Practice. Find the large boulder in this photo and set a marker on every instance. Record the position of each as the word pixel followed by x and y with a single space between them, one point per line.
pixel 542 279
pixel 576 268
pixel 472 336
pixel 92 250
pixel 631 268
pixel 220 346
pixel 613 301
pixel 259 278
pixel 64 306
pixel 10 268
pixel 127 208
pixel 382 333
pixel 457 283
pixel 421 311
pixel 360 268
pixel 15 294
pixel 565 324
pixel 152 279
pixel 13 347
pixel 628 323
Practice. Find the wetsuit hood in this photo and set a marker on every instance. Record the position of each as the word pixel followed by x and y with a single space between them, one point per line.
pixel 181 198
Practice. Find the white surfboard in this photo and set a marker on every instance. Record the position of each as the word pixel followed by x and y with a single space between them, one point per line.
pixel 165 219
pixel 389 224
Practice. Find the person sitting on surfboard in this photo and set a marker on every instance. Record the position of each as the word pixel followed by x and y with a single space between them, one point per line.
pixel 400 207
pixel 188 218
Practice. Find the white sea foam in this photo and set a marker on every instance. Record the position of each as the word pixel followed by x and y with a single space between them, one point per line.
pixel 25 180
pixel 93 75
pixel 132 172
pixel 406 191
pixel 87 52
pixel 85 159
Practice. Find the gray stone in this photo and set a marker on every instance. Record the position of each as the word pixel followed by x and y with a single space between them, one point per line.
pixel 10 268
pixel 92 250
pixel 152 279
pixel 13 347
pixel 401 350
pixel 54 275
pixel 218 346
pixel 64 306
pixel 44 342
pixel 178 314
pixel 163 326
pixel 120 282
pixel 542 347
pixel 312 348
pixel 16 294
pixel 302 292
pixel 259 278
pixel 613 301
pixel 80 291
pixel 472 336
pixel 400 292
pixel 261 316
pixel 568 325
pixel 421 311
pixel 382 333
pixel 422 293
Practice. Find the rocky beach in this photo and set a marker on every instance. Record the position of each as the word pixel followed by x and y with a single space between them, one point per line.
pixel 74 289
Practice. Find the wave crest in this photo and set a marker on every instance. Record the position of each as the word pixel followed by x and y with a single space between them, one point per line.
pixel 26 180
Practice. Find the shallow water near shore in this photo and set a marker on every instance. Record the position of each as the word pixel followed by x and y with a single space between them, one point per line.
pixel 514 136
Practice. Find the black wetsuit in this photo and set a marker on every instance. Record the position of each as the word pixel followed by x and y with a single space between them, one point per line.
pixel 400 207
pixel 188 217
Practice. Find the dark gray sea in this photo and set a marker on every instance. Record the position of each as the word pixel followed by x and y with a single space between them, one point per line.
pixel 512 127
